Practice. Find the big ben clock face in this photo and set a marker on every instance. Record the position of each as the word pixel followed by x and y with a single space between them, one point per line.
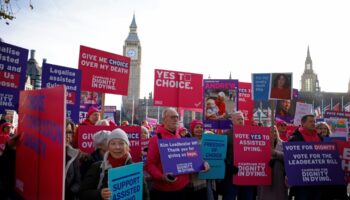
pixel 131 53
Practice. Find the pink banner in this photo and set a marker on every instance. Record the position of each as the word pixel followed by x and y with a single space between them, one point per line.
pixel 252 153
pixel 178 89
pixel 40 156
pixel 85 140
pixel 344 153
pixel 103 71
pixel 245 102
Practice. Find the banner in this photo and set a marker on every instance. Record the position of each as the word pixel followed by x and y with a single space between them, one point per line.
pixel 86 143
pixel 245 102
pixel 214 149
pixel 260 87
pixel 252 153
pixel 338 127
pixel 40 158
pixel 285 109
pixel 54 75
pixel 344 152
pixel 301 110
pixel 219 101
pixel 173 88
pixel 13 67
pixel 87 100
pixel 103 71
pixel 281 86
pixel 126 182
pixel 312 163
pixel 180 156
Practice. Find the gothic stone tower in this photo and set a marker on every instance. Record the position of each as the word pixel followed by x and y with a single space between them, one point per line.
pixel 132 49
pixel 309 80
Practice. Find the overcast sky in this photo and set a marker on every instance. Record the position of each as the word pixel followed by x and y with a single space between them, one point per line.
pixel 209 37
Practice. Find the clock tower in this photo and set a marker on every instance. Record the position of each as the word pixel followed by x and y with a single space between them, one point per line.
pixel 309 80
pixel 132 49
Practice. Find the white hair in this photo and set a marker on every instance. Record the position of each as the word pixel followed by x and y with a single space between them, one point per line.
pixel 167 110
pixel 102 122
pixel 221 94
pixel 100 137
pixel 236 113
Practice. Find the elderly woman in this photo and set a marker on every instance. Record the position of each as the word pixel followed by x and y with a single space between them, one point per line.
pixel 95 184
pixel 323 129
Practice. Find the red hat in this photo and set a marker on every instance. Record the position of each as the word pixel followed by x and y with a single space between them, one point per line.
pixel 92 110
pixel 280 122
pixel 194 123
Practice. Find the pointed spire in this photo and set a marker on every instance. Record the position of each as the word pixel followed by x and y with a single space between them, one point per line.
pixel 308 58
pixel 133 23
pixel 132 37
pixel 230 77
pixel 209 77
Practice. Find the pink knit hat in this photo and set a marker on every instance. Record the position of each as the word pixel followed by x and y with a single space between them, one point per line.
pixel 92 110
pixel 194 123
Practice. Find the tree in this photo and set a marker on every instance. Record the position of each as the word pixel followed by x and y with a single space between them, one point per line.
pixel 6 12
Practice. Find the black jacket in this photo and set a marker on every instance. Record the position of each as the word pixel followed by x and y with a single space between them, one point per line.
pixel 89 187
pixel 298 137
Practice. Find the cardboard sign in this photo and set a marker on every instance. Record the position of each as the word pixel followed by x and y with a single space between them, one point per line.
pixel 13 67
pixel 312 163
pixel 173 88
pixel 219 101
pixel 301 110
pixel 252 153
pixel 54 75
pixel 126 182
pixel 261 87
pixel 245 102
pixel 180 156
pixel 40 158
pixel 103 71
pixel 214 149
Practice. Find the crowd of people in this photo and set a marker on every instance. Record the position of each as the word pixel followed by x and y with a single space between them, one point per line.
pixel 86 174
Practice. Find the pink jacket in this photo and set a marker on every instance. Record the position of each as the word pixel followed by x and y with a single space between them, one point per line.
pixel 154 166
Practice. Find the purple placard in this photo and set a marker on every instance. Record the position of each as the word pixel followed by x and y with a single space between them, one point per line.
pixel 217 113
pixel 53 75
pixel 13 65
pixel 180 156
pixel 312 163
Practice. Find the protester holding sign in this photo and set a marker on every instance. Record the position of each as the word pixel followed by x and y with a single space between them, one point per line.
pixel 306 133
pixel 166 186
pixel 200 189
pixel 278 190
pixel 95 182
pixel 230 190
pixel 92 117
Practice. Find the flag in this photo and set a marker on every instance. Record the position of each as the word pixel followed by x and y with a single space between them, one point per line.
pixel 317 112
pixel 328 107
pixel 336 107
pixel 347 107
